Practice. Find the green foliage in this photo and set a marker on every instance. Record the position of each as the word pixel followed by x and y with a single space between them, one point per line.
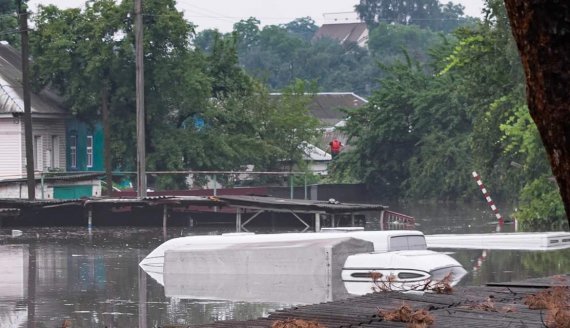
pixel 541 204
pixel 424 13
pixel 303 27
pixel 434 121
pixel 227 76
pixel 247 32
pixel 443 105
pixel 387 42
pixel 9 24
pixel 278 55
pixel 383 133
pixel 294 126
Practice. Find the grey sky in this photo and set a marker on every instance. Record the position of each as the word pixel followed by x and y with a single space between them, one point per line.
pixel 222 14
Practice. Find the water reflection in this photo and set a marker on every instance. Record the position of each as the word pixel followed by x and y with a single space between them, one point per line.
pixel 507 265
pixel 54 275
pixel 49 275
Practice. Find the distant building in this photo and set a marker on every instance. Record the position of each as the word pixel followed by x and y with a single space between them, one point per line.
pixel 53 147
pixel 328 107
pixel 344 28
pixel 332 110
pixel 84 146
pixel 48 122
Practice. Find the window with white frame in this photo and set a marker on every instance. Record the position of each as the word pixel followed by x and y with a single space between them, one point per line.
pixel 54 160
pixel 38 153
pixel 89 151
pixel 73 150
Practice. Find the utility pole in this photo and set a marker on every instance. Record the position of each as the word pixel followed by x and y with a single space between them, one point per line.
pixel 141 153
pixel 107 136
pixel 23 13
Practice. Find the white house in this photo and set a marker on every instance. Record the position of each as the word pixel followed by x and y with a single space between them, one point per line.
pixel 48 122
pixel 49 139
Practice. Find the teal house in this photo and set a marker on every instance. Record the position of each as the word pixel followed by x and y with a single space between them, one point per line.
pixel 84 146
pixel 83 153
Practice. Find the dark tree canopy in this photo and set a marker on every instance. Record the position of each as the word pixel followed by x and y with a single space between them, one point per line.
pixel 9 21
pixel 424 13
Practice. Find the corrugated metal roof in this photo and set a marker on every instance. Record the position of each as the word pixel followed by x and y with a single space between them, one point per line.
pixel 314 153
pixel 25 203
pixel 327 106
pixel 158 200
pixel 298 205
pixel 57 178
pixel 344 32
pixel 11 89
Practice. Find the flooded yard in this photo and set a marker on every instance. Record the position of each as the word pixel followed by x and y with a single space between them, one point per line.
pixel 54 274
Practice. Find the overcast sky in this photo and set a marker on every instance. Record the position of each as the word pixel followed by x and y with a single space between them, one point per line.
pixel 222 14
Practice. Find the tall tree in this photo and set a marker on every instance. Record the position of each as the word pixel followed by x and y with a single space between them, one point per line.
pixel 383 133
pixel 98 41
pixel 542 32
pixel 304 27
pixel 424 13
pixel 88 39
pixel 247 32
pixel 9 21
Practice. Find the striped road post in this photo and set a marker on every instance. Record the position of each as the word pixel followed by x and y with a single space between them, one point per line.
pixel 488 198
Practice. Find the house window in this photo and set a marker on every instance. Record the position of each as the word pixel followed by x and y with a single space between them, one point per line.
pixel 73 151
pixel 38 152
pixel 89 151
pixel 54 160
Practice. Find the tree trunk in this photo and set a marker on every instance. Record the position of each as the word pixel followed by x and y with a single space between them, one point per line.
pixel 542 31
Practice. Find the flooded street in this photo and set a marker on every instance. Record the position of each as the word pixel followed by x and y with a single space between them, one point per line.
pixel 54 274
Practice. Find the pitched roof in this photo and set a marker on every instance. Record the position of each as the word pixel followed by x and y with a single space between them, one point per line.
pixel 344 32
pixel 327 106
pixel 45 103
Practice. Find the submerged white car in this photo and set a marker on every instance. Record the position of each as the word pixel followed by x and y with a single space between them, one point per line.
pixel 331 264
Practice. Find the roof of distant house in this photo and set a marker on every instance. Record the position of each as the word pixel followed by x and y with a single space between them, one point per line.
pixel 46 103
pixel 327 106
pixel 343 32
pixel 314 153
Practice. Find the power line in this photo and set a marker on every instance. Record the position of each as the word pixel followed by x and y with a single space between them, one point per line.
pixel 216 15
pixel 15 31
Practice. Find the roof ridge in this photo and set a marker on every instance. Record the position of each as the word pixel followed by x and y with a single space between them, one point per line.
pixel 4 85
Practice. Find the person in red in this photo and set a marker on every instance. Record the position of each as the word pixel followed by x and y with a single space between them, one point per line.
pixel 335 146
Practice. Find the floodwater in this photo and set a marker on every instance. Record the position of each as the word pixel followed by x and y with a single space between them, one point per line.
pixel 49 275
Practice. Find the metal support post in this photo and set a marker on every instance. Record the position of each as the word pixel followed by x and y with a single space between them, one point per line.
pixel 89 218
pixel 291 183
pixel 42 184
pixel 238 219
pixel 164 215
pixel 305 185
pixel 317 222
